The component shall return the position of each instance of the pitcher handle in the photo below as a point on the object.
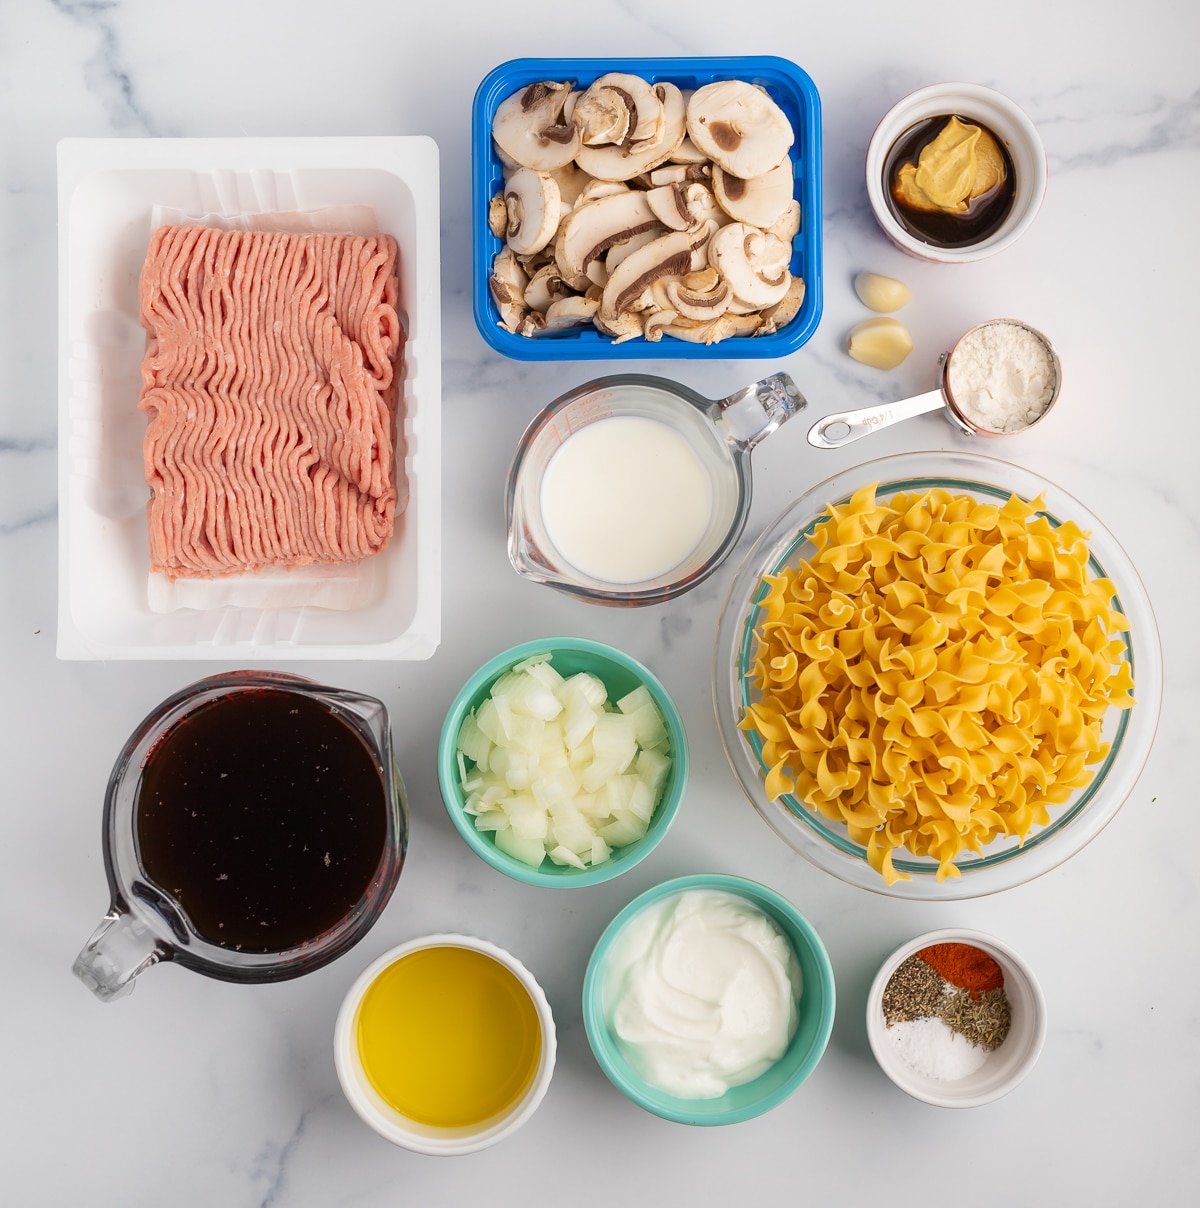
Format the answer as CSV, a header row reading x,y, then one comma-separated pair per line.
x,y
120,948
755,411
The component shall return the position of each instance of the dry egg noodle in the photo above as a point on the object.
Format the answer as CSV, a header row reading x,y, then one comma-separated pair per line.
x,y
937,674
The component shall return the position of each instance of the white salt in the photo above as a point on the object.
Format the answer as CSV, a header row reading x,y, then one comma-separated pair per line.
x,y
932,1049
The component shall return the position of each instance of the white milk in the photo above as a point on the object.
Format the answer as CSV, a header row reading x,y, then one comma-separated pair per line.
x,y
626,499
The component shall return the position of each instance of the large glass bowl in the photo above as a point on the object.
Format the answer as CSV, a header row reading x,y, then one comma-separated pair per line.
x,y
1004,862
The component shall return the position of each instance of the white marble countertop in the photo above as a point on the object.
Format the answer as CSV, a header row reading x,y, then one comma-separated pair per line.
x,y
194,1092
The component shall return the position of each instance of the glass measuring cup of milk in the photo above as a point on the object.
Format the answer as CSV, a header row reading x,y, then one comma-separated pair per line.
x,y
226,879
632,489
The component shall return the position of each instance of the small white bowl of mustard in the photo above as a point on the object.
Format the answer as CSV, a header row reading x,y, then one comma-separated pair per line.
x,y
955,173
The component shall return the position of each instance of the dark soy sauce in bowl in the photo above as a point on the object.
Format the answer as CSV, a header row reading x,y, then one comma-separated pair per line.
x,y
263,814
984,215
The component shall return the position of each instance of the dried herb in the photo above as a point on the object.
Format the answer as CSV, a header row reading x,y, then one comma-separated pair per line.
x,y
914,991
983,1020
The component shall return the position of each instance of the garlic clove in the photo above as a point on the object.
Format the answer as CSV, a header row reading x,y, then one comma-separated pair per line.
x,y
884,294
880,343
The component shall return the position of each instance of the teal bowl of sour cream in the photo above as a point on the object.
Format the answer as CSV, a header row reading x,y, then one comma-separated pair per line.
x,y
708,1000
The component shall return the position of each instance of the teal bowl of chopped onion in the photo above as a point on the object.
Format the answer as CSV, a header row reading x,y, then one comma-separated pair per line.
x,y
562,762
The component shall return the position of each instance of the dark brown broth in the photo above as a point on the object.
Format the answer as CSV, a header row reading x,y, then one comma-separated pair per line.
x,y
984,215
264,815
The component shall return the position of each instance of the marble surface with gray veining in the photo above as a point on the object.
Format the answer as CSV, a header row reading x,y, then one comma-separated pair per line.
x,y
196,1093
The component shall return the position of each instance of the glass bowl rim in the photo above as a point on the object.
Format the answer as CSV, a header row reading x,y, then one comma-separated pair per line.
x,y
1080,817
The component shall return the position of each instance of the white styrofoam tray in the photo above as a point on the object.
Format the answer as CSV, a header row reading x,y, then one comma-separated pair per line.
x,y
107,190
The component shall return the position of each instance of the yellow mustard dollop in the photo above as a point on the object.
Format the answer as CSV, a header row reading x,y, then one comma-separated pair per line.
x,y
962,163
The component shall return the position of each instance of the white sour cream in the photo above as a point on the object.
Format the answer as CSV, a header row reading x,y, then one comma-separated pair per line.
x,y
626,499
702,993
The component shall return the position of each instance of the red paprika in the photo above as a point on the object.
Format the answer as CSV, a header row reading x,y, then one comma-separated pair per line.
x,y
965,966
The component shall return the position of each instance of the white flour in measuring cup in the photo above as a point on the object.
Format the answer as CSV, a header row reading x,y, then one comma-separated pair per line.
x,y
1001,376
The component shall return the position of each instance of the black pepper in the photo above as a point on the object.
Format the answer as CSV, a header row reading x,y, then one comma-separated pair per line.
x,y
914,991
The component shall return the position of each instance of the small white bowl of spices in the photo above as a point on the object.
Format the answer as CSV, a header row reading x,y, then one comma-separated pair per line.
x,y
956,1018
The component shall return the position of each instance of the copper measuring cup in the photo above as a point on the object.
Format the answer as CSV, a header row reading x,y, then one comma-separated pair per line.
x,y
834,431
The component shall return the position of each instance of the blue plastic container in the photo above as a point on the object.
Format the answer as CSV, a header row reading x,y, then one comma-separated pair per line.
x,y
791,89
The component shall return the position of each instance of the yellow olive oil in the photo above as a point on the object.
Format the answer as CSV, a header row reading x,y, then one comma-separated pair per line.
x,y
448,1036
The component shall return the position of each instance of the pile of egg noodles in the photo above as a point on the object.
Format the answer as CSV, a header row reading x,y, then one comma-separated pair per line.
x,y
937,673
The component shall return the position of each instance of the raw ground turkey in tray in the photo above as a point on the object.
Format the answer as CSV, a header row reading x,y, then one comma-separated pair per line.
x,y
270,385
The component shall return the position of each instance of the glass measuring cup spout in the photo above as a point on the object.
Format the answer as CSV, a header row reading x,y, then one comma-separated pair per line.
x,y
668,485
254,829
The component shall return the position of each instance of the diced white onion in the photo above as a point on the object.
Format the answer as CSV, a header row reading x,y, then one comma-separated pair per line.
x,y
551,768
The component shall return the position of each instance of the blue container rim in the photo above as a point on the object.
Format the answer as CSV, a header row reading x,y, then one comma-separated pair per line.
x,y
787,82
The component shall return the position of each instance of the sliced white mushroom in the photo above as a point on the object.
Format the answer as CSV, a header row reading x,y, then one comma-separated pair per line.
x,y
575,311
595,189
681,206
784,311
738,307
656,322
531,323
605,114
626,162
627,326
688,153
668,256
739,127
699,295
754,262
694,331
536,261
735,325
787,225
646,99
526,127
532,199
507,284
668,174
498,216
571,182
545,288
590,230
619,251
507,162
597,273
759,201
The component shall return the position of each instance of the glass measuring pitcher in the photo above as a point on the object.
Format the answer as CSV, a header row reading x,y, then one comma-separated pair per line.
x,y
706,442
223,849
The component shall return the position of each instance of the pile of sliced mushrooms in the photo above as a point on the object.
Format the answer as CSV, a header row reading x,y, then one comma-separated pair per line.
x,y
644,210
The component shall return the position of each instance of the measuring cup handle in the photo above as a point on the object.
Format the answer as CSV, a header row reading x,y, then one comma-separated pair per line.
x,y
755,411
120,948
869,419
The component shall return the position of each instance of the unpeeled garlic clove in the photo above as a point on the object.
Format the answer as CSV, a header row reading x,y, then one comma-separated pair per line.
x,y
884,294
881,343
